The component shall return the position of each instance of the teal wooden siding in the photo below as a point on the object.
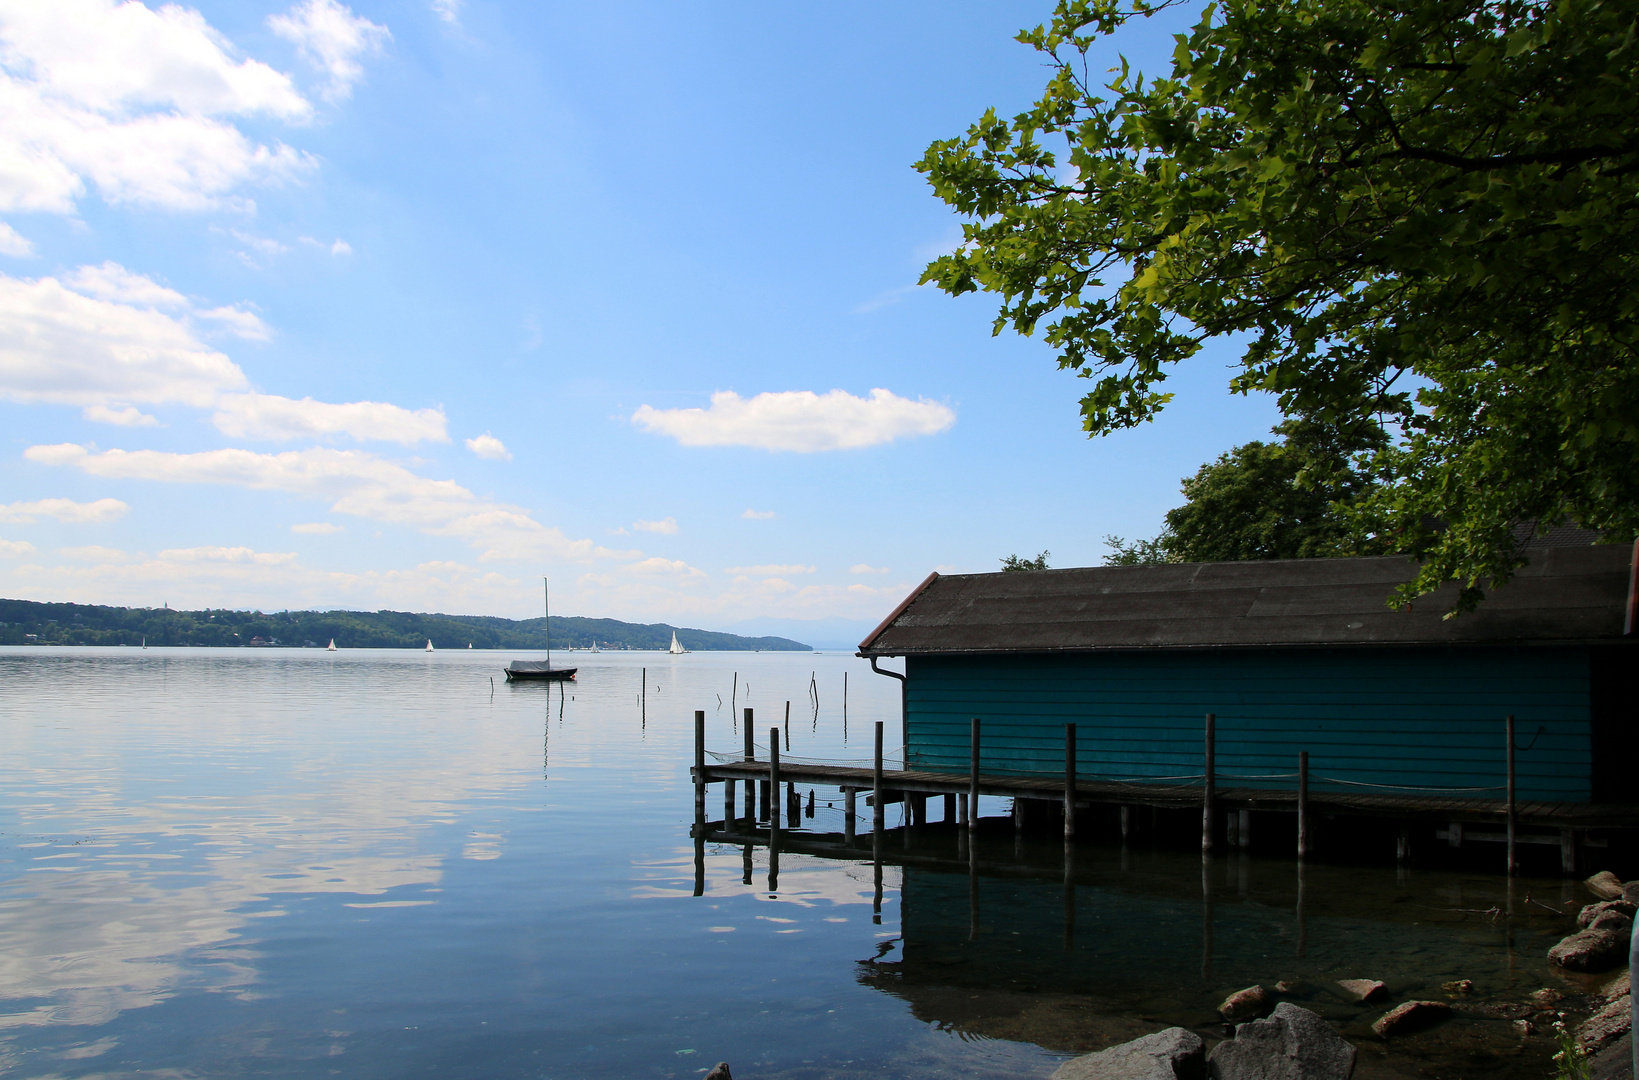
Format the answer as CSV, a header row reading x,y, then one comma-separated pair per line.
x,y
1394,717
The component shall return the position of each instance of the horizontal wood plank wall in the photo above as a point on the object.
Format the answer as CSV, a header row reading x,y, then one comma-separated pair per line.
x,y
1414,717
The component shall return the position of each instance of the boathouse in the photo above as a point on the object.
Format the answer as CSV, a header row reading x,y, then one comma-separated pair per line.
x,y
1290,656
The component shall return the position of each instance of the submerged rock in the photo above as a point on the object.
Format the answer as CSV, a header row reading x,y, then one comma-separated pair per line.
x,y
719,1071
1362,989
1605,885
1409,1016
1291,1044
1173,1054
1459,987
1546,998
1244,1004
1587,915
1591,950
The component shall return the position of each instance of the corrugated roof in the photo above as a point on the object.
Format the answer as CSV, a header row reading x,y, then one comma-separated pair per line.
x,y
1564,594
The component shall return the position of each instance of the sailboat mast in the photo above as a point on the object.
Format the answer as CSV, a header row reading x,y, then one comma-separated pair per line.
x,y
546,599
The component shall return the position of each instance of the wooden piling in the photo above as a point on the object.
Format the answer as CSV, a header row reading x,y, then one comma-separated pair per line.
x,y
1209,779
950,809
1126,823
787,727
728,803
1018,816
773,782
700,765
878,796
1513,805
973,778
1243,828
751,747
1303,805
848,815
1069,781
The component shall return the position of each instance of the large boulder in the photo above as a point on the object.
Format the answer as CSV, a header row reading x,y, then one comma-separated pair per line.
x,y
1606,1026
1605,885
1587,916
1591,950
1174,1054
1292,1043
1409,1016
1615,1062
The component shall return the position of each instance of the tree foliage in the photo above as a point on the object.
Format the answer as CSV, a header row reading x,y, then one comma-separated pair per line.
x,y
1422,213
1297,498
1015,563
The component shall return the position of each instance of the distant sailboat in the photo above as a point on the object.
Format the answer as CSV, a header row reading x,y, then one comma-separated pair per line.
x,y
595,645
469,644
429,644
676,649
332,646
145,641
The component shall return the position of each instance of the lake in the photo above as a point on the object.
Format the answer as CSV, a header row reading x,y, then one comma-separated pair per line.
x,y
291,863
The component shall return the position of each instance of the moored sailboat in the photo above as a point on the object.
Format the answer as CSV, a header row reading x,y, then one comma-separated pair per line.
x,y
676,649
541,669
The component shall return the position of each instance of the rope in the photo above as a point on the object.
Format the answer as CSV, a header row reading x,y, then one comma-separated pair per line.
x,y
1405,787
894,758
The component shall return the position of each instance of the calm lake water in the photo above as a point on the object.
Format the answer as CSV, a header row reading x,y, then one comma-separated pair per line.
x,y
384,864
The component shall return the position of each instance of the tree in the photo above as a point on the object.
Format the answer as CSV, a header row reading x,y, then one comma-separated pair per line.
x,y
1421,214
1298,498
1014,563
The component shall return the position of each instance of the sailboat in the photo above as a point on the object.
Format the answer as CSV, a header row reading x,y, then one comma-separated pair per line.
x,y
541,669
331,647
145,641
676,649
429,644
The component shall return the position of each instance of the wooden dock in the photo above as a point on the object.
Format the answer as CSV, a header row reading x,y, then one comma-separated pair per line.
x,y
1463,817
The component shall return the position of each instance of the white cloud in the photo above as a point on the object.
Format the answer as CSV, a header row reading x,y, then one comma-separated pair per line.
x,y
488,446
775,570
662,567
317,528
227,555
341,247
331,38
114,283
354,482
447,10
130,416
866,568
132,100
269,416
66,511
758,515
59,346
666,526
15,549
14,243
798,420
94,553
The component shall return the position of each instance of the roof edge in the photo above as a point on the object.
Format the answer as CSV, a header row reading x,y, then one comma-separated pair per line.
x,y
898,611
1510,643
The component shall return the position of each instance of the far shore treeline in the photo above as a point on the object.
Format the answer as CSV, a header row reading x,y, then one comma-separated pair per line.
x,y
26,622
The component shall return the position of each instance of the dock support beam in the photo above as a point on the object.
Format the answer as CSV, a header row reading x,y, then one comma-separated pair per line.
x,y
1209,779
1126,823
878,796
1303,805
1069,782
1513,806
950,809
700,765
751,785
848,813
973,779
774,793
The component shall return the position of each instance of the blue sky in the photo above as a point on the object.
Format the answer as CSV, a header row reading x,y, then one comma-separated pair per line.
x,y
407,304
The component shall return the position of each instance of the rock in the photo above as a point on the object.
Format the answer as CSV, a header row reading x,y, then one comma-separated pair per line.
x,y
1615,1062
1523,1028
1286,987
1591,950
1587,915
1621,986
1546,998
1245,1004
1612,920
1605,885
1630,892
719,1071
1291,1044
1458,987
1173,1054
1362,989
1496,1010
1606,1026
1409,1016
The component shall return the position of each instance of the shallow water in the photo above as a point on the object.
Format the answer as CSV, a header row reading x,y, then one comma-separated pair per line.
x,y
293,863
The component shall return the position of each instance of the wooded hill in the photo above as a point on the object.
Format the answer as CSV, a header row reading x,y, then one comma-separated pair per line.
x,y
26,622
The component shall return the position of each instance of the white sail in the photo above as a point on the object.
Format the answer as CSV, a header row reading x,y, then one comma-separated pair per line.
x,y
332,646
676,648
429,644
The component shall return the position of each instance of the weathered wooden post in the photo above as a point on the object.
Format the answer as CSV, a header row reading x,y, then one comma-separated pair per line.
x,y
1126,823
728,804
751,747
1303,805
787,727
973,778
1069,781
950,809
1513,808
878,796
848,811
700,766
751,785
1209,778
773,783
